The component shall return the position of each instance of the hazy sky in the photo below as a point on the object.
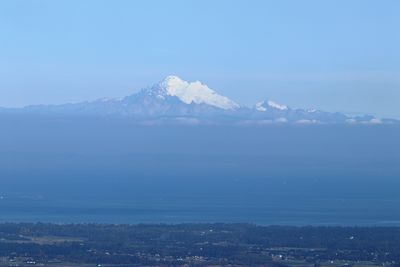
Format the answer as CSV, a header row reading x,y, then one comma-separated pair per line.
x,y
341,55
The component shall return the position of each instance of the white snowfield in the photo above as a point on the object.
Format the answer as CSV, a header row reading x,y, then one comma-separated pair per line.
x,y
195,92
262,106
276,105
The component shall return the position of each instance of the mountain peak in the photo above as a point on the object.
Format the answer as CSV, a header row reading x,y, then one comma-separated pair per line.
x,y
268,104
175,99
194,92
172,81
172,78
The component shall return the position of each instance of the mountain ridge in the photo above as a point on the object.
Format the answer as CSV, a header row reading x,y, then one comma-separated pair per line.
x,y
176,100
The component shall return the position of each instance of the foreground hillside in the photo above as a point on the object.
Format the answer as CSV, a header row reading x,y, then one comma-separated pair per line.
x,y
196,245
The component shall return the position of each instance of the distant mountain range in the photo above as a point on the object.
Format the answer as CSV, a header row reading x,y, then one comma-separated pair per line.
x,y
178,101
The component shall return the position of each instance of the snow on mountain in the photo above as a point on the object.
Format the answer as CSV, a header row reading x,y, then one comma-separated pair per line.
x,y
194,92
268,104
276,105
176,100
260,107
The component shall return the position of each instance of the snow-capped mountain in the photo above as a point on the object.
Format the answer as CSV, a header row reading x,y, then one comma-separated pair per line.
x,y
194,92
171,97
268,104
276,112
178,100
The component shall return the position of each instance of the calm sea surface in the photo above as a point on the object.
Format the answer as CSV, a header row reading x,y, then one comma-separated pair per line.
x,y
115,172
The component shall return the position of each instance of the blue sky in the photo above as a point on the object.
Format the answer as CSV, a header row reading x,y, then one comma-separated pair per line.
x,y
339,55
